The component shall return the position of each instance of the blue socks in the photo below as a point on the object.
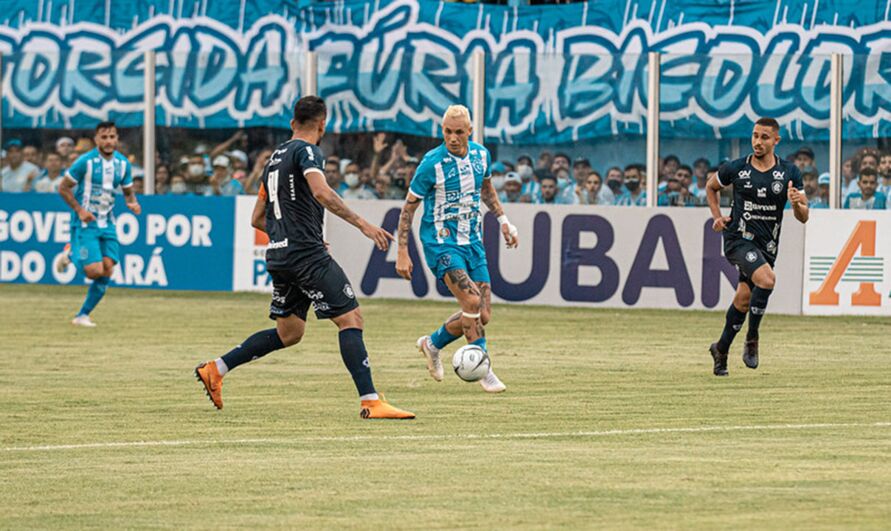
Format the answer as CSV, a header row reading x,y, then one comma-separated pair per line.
x,y
254,347
732,324
757,307
442,337
94,294
481,343
355,357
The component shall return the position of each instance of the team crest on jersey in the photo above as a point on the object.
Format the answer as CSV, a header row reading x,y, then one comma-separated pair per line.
x,y
445,260
751,257
779,175
777,187
477,163
348,291
762,192
444,232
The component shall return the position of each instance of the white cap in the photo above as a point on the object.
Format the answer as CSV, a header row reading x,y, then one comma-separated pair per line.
x,y
221,160
239,154
64,140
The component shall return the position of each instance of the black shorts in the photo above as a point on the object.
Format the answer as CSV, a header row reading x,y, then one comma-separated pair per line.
x,y
323,284
747,256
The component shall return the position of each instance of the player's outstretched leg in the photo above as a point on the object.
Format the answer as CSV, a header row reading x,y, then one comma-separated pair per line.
x,y
430,346
471,298
355,357
733,322
288,331
764,280
100,274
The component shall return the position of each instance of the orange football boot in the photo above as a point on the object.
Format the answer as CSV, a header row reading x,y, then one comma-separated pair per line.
x,y
208,374
381,409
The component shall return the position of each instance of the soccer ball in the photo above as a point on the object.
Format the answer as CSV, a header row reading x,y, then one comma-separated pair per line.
x,y
471,363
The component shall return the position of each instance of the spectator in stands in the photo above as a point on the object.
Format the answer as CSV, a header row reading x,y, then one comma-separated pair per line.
x,y
589,193
382,186
49,179
531,189
868,160
822,191
513,188
810,182
635,193
549,190
333,176
867,198
239,159
139,185
613,187
72,157
234,142
565,185
885,174
83,145
355,189
669,167
700,179
221,180
399,183
498,171
561,160
581,168
804,157
252,183
676,192
178,185
18,174
545,158
30,154
64,147
196,175
162,179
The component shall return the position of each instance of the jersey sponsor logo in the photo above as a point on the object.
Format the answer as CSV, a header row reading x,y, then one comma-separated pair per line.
x,y
777,187
762,192
779,175
751,256
745,174
277,245
310,153
772,247
313,294
748,205
867,269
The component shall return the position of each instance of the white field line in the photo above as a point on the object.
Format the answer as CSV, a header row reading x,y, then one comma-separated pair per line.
x,y
445,437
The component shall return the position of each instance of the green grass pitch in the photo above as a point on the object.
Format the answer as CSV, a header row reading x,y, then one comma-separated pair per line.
x,y
612,419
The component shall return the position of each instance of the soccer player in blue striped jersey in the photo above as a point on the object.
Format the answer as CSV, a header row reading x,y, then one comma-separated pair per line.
x,y
451,181
89,189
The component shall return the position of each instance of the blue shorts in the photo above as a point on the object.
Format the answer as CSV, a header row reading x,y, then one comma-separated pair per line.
x,y
471,258
89,245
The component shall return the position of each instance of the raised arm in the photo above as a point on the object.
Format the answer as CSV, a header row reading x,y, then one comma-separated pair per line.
x,y
329,199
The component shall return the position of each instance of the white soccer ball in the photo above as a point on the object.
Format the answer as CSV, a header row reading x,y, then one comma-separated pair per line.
x,y
471,363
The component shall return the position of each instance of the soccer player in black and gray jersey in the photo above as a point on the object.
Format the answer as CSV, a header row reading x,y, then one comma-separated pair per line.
x,y
762,184
291,208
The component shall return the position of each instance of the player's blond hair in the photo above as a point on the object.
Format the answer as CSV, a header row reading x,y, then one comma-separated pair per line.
x,y
457,111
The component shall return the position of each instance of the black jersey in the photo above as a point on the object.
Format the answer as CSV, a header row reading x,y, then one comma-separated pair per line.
x,y
293,216
759,199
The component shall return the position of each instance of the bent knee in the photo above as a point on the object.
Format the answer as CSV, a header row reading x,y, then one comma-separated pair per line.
x,y
290,337
485,316
471,304
768,281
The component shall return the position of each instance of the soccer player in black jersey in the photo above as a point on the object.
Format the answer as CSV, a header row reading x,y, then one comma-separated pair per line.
x,y
291,209
762,184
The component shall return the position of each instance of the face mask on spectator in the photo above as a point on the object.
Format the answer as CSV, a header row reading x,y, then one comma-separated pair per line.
x,y
632,185
525,171
351,179
614,185
399,182
498,182
178,188
196,170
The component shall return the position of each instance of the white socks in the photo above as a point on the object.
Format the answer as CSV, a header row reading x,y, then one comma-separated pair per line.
x,y
372,396
221,367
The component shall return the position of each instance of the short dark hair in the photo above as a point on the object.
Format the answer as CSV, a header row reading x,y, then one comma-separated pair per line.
x,y
768,122
671,157
632,167
563,156
309,109
686,167
869,154
105,125
869,171
701,160
541,174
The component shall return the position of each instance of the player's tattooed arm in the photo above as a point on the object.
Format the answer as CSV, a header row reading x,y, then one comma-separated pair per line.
x,y
406,217
130,200
66,190
489,196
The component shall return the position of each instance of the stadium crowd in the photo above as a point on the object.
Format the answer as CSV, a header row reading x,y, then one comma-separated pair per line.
x,y
377,166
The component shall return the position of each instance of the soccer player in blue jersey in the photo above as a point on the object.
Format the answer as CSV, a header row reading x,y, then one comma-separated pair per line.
x,y
451,181
762,184
89,189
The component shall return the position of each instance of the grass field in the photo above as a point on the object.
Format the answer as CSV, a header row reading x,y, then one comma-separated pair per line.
x,y
611,419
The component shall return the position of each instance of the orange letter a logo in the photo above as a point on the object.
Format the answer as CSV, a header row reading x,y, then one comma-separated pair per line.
x,y
863,238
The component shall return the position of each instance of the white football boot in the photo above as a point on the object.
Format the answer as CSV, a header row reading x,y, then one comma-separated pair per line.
x,y
83,320
491,383
431,354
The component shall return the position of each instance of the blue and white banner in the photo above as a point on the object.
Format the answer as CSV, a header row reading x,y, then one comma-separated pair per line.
x,y
554,74
175,243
